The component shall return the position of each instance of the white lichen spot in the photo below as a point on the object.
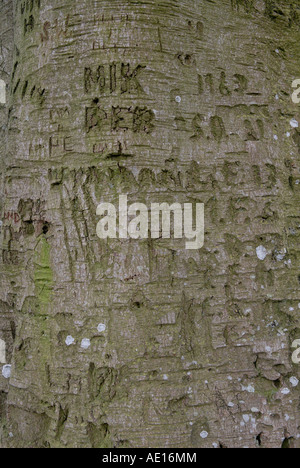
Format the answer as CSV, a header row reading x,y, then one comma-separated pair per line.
x,y
261,252
294,381
288,134
165,377
178,99
275,137
231,405
215,445
285,391
204,435
79,323
101,328
69,340
249,389
86,343
6,371
286,417
254,410
294,123
246,418
280,255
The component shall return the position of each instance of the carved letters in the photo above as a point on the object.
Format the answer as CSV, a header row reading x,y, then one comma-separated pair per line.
x,y
107,79
27,8
138,119
12,216
59,145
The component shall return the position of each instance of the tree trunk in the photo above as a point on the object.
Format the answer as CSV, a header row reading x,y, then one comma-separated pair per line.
x,y
143,343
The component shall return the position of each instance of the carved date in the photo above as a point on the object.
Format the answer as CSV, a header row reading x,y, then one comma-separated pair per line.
x,y
236,84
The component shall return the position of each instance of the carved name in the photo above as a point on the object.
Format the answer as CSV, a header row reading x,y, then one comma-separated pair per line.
x,y
108,79
138,119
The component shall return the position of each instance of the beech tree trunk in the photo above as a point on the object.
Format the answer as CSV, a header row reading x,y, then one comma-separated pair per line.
x,y
142,343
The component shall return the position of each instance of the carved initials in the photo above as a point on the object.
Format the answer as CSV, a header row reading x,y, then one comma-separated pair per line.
x,y
105,79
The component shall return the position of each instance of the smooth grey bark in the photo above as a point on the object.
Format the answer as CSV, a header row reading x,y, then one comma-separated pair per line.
x,y
165,101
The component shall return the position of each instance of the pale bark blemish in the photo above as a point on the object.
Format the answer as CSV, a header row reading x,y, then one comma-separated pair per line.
x,y
261,252
85,343
249,389
69,340
294,123
294,381
101,327
6,371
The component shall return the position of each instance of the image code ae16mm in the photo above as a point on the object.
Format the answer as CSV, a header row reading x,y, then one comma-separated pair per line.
x,y
171,458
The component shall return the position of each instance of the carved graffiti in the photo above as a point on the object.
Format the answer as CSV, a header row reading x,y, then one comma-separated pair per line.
x,y
55,29
226,87
27,6
107,79
26,89
216,126
138,119
12,216
59,145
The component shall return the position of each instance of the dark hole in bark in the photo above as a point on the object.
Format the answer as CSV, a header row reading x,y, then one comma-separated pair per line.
x,y
277,383
45,228
258,438
287,443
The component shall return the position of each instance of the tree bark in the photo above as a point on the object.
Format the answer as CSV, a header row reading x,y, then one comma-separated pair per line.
x,y
142,343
